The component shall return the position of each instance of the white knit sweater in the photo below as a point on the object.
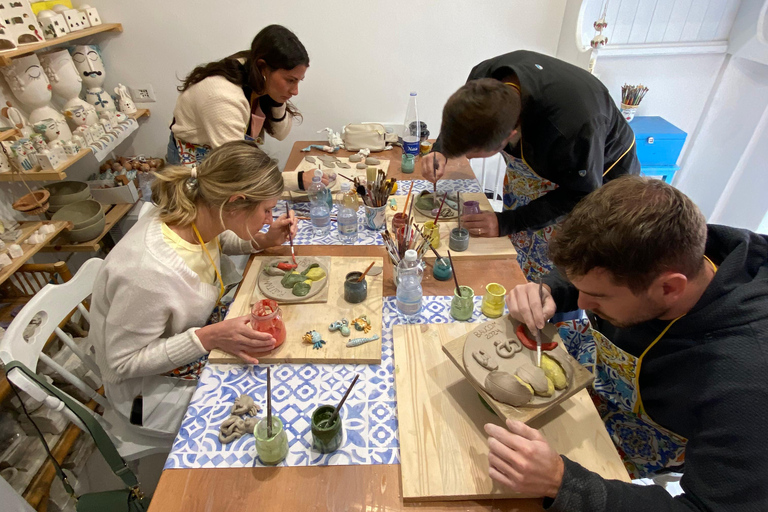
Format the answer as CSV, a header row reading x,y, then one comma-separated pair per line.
x,y
145,308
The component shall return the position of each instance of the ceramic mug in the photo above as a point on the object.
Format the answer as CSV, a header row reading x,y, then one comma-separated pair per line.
x,y
375,217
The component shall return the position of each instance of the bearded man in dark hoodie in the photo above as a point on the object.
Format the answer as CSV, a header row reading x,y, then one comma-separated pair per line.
x,y
680,355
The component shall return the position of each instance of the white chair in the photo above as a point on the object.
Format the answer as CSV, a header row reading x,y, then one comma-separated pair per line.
x,y
53,304
490,173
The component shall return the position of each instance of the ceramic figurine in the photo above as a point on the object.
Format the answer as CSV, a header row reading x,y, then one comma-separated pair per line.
x,y
30,85
5,165
75,19
340,325
356,342
65,79
362,324
83,116
17,120
21,26
124,101
314,338
90,66
91,14
48,160
53,24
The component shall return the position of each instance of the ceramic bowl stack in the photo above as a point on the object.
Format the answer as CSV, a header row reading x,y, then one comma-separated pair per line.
x,y
66,192
86,216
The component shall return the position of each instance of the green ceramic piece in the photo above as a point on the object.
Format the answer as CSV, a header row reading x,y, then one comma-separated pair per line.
x,y
301,289
291,278
314,265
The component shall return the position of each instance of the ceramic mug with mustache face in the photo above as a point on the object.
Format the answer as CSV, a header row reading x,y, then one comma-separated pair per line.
x,y
89,64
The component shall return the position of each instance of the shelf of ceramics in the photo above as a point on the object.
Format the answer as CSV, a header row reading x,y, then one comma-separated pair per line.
x,y
27,228
106,151
114,214
35,174
7,55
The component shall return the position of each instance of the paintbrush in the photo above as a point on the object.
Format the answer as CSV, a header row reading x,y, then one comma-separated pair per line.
x,y
537,333
366,271
455,279
408,197
432,247
335,414
436,164
346,177
441,207
458,205
269,404
290,236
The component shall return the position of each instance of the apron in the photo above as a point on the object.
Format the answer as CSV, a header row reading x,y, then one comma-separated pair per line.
x,y
521,186
191,371
645,446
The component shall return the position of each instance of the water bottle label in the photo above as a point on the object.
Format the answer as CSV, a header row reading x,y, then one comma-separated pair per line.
x,y
411,148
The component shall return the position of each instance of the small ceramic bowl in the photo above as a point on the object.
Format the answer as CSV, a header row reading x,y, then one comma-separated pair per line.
x,y
67,192
81,213
87,233
32,201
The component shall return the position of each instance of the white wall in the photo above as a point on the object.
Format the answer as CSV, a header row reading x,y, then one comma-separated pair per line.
x,y
365,56
679,85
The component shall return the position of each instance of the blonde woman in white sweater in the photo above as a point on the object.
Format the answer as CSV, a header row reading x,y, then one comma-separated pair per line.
x,y
156,308
245,95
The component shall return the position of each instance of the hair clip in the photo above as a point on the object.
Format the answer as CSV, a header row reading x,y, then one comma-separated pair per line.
x,y
192,180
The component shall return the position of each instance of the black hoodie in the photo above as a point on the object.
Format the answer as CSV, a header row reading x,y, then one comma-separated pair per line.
x,y
705,380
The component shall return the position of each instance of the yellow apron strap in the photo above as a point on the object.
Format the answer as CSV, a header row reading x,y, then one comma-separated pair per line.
x,y
639,403
205,249
619,159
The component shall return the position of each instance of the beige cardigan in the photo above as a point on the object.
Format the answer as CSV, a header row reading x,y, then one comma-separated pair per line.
x,y
214,111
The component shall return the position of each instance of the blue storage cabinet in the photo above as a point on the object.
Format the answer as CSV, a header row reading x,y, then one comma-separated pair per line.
x,y
659,144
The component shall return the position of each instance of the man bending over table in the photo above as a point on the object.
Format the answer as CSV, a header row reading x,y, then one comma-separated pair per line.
x,y
681,354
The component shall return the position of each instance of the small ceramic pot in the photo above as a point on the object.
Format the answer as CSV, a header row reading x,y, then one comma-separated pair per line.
x,y
432,232
266,316
628,111
407,163
462,304
442,270
326,438
355,292
398,221
459,240
375,217
271,450
470,208
493,300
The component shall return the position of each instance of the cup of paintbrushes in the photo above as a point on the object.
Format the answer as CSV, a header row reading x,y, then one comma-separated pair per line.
x,y
375,217
432,233
628,111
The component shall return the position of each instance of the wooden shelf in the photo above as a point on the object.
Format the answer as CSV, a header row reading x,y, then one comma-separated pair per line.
x,y
7,55
27,228
139,113
7,134
54,175
114,215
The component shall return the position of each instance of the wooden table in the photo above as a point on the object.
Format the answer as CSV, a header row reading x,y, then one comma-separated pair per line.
x,y
332,488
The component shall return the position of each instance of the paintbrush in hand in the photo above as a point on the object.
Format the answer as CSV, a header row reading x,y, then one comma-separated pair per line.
x,y
290,236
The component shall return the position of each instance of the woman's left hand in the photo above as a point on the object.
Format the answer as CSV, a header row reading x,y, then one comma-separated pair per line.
x,y
484,224
278,231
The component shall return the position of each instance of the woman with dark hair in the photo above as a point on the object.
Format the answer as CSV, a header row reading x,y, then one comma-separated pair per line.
x,y
242,96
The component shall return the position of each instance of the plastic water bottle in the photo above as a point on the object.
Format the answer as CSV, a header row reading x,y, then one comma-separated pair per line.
x,y
347,215
320,203
411,128
409,292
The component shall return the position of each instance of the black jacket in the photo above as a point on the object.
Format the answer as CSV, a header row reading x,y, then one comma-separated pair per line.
x,y
572,133
705,380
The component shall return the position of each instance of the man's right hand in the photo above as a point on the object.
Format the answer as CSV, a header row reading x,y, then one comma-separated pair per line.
x,y
525,306
236,336
428,166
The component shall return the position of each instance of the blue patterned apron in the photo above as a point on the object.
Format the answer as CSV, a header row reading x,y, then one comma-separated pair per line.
x,y
521,186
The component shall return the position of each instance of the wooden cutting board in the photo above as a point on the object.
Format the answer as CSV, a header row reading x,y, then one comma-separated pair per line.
x,y
479,248
300,318
443,447
581,377
352,172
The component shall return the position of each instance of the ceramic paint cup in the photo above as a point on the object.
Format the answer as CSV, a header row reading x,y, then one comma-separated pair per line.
x,y
326,438
355,292
398,221
266,316
442,270
471,208
407,163
463,305
271,450
375,217
432,232
493,300
459,240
